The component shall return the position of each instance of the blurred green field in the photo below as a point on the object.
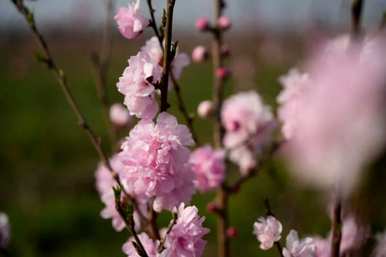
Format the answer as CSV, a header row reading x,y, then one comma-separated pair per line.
x,y
47,165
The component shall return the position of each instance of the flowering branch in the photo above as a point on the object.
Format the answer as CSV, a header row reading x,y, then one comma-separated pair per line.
x,y
101,64
167,54
62,81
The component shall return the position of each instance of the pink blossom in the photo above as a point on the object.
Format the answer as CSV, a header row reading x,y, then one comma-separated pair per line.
x,y
268,231
151,247
130,21
104,185
222,73
156,160
186,236
202,24
232,232
119,115
354,235
322,247
328,119
248,124
224,23
136,84
5,230
299,248
208,165
199,54
205,109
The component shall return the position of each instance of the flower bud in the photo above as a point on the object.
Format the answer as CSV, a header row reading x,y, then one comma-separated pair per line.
x,y
212,207
202,24
224,23
222,73
119,115
205,109
199,54
232,232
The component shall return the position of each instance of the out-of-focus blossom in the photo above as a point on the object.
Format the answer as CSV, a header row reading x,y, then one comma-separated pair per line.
x,y
322,247
299,248
199,54
380,248
248,123
5,230
222,72
202,24
180,61
294,83
130,21
119,115
268,231
156,162
104,185
224,23
205,109
151,247
334,116
186,236
208,165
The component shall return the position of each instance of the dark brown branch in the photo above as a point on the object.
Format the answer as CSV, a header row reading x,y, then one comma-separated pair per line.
x,y
356,16
167,54
336,228
153,22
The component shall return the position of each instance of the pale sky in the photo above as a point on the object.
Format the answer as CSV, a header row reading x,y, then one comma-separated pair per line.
x,y
273,14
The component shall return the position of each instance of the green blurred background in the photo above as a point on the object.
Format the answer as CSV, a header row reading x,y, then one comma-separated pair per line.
x,y
47,164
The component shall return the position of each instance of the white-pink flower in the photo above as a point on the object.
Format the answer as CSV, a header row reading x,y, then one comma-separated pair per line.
x,y
205,109
130,21
268,231
156,162
5,230
186,237
208,165
119,115
199,54
248,123
336,123
104,185
299,248
151,246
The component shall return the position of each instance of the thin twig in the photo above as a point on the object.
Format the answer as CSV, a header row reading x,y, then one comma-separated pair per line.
x,y
170,227
183,109
356,16
101,64
153,22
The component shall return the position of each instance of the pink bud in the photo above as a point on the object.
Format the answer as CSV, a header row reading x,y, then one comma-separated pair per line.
x,y
199,54
232,232
202,24
119,115
205,109
223,73
225,51
212,207
224,23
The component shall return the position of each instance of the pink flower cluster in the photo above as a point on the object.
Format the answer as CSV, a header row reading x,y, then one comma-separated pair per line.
x,y
248,123
326,113
209,168
138,80
130,21
184,239
156,162
299,248
268,231
186,236
104,185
